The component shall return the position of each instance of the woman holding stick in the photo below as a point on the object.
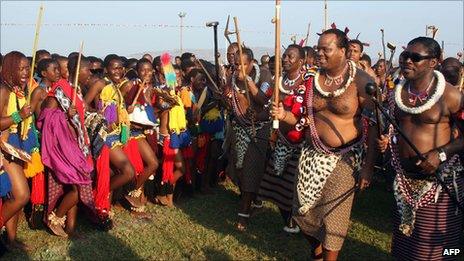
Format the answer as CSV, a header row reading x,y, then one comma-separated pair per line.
x,y
65,151
250,129
13,111
278,181
138,99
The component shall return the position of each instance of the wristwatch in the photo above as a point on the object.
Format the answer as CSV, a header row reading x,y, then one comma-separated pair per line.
x,y
442,155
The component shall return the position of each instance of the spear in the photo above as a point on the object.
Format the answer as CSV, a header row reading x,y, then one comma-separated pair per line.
x,y
275,122
76,75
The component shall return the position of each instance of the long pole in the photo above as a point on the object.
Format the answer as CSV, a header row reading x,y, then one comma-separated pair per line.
x,y
278,81
242,67
34,50
325,15
181,25
216,58
76,75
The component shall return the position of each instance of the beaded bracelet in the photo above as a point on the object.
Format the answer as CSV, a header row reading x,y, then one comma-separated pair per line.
x,y
16,117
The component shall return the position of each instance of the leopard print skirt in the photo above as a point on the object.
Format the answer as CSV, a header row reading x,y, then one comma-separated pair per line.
x,y
328,218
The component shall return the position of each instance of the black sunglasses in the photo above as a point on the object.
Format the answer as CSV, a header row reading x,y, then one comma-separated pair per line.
x,y
415,57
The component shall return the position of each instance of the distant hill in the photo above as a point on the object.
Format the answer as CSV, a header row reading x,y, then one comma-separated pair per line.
x,y
206,54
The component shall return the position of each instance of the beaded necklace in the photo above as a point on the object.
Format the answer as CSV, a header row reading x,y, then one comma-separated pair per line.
x,y
339,91
316,141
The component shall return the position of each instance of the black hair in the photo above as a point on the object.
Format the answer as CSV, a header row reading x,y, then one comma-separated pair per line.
x,y
72,64
93,59
248,52
177,57
141,62
1,59
186,63
124,59
432,46
356,41
176,67
129,62
300,49
40,52
61,58
309,51
366,58
342,39
73,54
186,56
43,65
157,62
55,56
109,58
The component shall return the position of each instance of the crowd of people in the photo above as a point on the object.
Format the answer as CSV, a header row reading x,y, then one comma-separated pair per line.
x,y
86,134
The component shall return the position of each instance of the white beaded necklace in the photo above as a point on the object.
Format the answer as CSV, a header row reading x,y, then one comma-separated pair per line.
x,y
440,88
352,73
289,83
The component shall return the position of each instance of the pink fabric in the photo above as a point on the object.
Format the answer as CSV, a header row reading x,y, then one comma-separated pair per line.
x,y
60,150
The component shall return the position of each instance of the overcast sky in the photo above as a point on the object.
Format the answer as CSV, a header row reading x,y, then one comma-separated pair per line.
x,y
127,34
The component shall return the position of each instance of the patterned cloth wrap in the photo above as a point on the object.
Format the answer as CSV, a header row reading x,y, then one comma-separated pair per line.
x,y
314,168
411,194
244,134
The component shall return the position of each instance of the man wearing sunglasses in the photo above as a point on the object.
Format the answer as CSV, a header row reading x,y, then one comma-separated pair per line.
x,y
426,107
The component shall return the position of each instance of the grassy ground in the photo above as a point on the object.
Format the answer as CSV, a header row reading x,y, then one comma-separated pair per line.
x,y
203,228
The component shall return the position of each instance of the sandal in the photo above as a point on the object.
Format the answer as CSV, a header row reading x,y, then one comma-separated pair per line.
x,y
56,224
242,221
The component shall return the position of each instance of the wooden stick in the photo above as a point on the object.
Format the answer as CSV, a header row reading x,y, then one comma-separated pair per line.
x,y
277,77
208,75
242,65
306,41
325,15
138,93
76,76
34,50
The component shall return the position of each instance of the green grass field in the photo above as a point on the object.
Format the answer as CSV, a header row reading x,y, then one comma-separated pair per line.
x,y
203,228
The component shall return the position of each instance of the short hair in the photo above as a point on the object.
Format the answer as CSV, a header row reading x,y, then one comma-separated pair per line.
x,y
177,57
41,52
432,46
366,58
186,56
43,65
60,58
130,61
450,68
141,62
186,63
72,64
265,59
176,67
309,51
342,39
357,42
10,64
248,52
73,54
1,59
300,50
55,56
93,59
157,61
109,58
